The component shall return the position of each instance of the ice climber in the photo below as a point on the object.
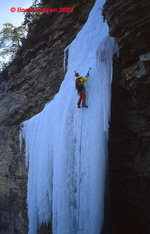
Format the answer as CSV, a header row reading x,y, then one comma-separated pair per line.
x,y
81,88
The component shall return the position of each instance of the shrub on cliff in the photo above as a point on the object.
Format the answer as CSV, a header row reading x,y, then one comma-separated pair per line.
x,y
10,41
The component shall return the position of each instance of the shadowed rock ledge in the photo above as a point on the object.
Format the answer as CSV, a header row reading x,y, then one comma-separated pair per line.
x,y
129,144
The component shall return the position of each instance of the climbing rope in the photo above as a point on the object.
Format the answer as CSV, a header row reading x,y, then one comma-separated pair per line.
x,y
80,178
80,175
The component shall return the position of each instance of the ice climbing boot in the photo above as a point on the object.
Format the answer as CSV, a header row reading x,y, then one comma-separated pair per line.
x,y
78,105
83,105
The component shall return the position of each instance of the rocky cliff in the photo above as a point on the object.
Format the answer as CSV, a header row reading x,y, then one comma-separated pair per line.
x,y
33,78
129,144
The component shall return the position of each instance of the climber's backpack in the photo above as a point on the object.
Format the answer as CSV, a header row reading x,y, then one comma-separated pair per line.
x,y
78,85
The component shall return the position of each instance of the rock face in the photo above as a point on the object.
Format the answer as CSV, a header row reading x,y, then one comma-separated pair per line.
x,y
129,145
33,78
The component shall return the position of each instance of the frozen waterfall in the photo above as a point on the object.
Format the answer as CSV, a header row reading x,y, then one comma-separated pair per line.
x,y
66,147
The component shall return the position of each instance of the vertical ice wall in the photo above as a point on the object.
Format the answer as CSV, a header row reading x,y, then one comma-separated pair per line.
x,y
66,147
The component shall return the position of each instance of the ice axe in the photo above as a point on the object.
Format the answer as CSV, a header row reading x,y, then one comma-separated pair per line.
x,y
88,71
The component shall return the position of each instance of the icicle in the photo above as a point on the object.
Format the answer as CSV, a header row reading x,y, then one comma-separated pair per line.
x,y
66,54
20,138
104,65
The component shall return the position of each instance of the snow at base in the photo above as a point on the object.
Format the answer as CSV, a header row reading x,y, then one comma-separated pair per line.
x,y
66,147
